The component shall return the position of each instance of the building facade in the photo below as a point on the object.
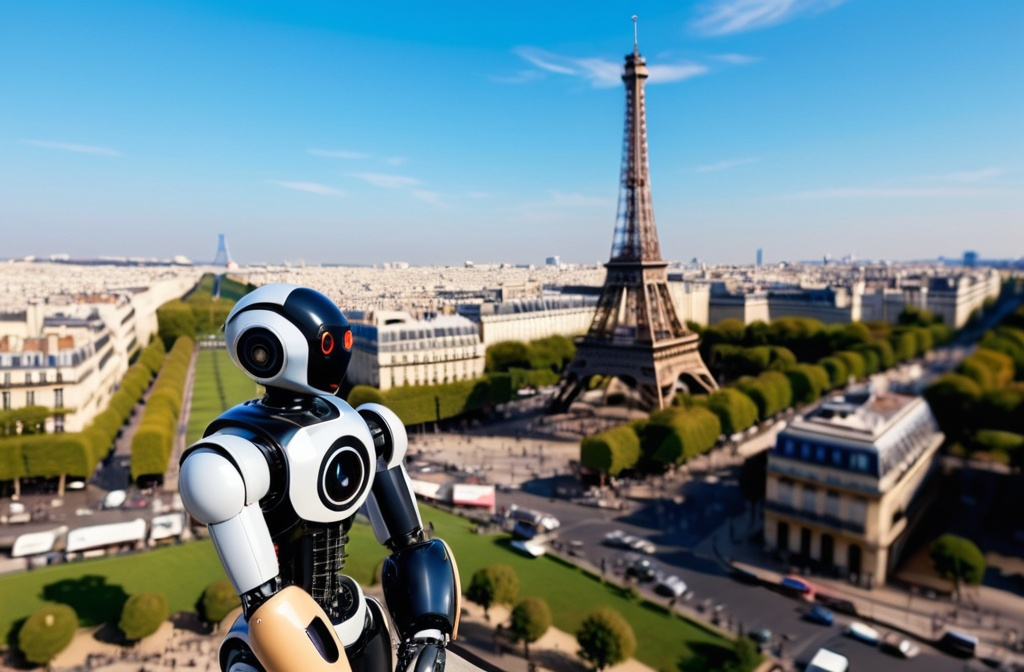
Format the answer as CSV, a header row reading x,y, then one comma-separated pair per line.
x,y
529,319
847,482
70,355
392,349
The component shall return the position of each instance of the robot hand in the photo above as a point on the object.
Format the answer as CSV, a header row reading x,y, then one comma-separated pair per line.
x,y
422,653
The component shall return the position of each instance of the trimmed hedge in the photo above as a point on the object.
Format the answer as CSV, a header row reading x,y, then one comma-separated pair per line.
x,y
611,451
153,442
675,435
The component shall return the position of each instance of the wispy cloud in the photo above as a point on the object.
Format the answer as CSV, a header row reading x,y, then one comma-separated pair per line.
x,y
72,147
309,187
724,17
889,192
736,59
521,77
339,154
387,181
396,161
726,165
602,73
973,176
431,197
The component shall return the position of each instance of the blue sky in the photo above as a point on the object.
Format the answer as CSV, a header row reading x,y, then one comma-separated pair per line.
x,y
435,133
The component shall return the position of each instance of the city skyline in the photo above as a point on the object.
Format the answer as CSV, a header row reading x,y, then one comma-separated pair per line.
x,y
438,134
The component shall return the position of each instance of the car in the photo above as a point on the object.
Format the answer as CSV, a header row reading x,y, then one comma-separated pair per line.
x,y
643,546
901,647
862,632
642,570
958,643
820,615
616,538
670,586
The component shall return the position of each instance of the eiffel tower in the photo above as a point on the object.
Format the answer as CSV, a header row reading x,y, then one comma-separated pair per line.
x,y
636,334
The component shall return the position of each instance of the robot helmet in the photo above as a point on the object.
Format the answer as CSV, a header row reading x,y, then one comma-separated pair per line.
x,y
290,337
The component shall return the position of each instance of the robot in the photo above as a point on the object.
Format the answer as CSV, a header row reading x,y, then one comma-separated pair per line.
x,y
278,482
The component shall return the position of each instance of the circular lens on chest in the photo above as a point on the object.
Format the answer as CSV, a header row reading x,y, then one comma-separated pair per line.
x,y
344,475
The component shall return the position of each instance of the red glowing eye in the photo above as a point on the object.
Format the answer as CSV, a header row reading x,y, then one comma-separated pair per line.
x,y
326,343
348,340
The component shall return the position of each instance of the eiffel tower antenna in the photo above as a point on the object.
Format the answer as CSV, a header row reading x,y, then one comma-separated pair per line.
x,y
636,334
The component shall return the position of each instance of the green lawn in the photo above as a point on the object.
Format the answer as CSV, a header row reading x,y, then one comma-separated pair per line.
x,y
219,385
98,588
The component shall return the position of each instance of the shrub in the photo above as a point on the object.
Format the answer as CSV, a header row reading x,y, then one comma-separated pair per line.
x,y
47,632
218,600
142,615
364,394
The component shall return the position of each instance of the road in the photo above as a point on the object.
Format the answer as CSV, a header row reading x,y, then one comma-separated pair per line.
x,y
684,549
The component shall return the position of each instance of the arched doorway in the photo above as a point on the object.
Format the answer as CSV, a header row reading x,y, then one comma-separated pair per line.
x,y
853,560
782,536
828,552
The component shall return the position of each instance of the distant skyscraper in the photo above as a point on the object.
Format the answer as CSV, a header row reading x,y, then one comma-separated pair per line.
x,y
636,334
970,259
759,256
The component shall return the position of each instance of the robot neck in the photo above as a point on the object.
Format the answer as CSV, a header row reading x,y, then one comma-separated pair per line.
x,y
287,400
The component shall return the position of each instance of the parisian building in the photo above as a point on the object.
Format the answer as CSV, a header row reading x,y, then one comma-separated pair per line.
x,y
392,349
848,481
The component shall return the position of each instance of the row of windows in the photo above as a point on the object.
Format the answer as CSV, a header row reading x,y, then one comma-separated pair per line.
x,y
838,457
30,398
856,507
30,379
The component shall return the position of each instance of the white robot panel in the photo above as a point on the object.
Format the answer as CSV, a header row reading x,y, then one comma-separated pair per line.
x,y
343,472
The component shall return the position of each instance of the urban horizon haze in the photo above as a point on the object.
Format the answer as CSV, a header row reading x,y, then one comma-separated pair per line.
x,y
434,134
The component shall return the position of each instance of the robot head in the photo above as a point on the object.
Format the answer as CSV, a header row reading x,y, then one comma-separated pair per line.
x,y
290,337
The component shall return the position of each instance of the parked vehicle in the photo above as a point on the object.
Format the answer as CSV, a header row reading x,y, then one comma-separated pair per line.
x,y
820,615
862,632
797,587
642,570
670,586
959,644
898,646
828,661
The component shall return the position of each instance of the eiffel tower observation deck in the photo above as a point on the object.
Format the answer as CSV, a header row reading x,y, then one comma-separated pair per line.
x,y
636,335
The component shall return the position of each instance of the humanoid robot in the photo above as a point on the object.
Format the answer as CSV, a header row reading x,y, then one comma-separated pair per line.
x,y
278,482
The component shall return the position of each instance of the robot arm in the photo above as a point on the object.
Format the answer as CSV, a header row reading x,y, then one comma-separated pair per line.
x,y
420,578
221,482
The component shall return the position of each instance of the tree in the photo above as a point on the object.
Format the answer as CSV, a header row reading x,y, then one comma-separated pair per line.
x,y
47,632
957,558
507,355
605,638
493,584
735,410
611,451
218,600
745,656
142,615
531,618
175,318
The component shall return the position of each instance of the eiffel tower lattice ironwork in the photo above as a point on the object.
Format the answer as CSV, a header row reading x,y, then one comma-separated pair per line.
x,y
223,257
636,334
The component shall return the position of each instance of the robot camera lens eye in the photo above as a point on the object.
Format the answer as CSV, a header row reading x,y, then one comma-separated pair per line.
x,y
260,353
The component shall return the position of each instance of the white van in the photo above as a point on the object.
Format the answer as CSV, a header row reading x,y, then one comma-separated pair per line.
x,y
828,661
